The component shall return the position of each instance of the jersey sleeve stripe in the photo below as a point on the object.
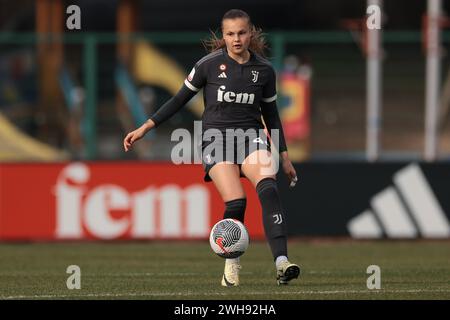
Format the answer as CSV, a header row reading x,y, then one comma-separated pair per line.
x,y
190,86
209,56
269,99
262,60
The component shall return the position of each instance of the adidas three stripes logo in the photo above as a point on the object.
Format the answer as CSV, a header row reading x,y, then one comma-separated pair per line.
x,y
406,210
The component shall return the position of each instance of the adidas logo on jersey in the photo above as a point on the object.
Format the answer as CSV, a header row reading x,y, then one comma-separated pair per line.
x,y
230,96
222,75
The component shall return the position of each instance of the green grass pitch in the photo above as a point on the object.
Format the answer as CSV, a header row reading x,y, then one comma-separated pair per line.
x,y
189,270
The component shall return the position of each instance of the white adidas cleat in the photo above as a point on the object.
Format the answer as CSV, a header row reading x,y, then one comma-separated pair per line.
x,y
287,271
230,276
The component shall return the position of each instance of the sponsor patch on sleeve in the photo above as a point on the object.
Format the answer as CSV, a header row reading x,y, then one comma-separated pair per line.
x,y
191,75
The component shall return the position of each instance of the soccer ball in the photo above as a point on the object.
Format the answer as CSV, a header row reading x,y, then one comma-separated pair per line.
x,y
229,238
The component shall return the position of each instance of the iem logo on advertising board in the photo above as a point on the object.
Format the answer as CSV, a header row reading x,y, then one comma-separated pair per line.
x,y
182,212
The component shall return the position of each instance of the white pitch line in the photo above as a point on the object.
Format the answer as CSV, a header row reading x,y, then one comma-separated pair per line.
x,y
319,272
137,274
128,274
255,293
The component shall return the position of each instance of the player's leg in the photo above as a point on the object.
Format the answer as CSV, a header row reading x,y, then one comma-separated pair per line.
x,y
225,176
226,179
259,168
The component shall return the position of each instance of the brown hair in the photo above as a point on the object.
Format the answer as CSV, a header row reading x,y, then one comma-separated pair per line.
x,y
257,42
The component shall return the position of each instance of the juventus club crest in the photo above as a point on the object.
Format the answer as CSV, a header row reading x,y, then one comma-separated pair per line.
x,y
255,76
278,218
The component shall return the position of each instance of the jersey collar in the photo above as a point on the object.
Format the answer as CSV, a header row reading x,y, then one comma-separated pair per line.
x,y
250,61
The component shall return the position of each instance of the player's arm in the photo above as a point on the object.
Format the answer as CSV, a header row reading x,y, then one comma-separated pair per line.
x,y
270,113
172,106
165,112
272,120
191,86
271,117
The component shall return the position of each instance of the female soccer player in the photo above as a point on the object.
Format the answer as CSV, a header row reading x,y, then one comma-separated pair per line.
x,y
239,87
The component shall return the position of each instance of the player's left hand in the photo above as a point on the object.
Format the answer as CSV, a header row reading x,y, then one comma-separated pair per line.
x,y
289,170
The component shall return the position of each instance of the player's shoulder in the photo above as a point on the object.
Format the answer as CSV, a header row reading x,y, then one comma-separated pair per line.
x,y
263,61
217,54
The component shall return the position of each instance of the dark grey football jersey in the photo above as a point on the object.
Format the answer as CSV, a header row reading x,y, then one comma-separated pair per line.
x,y
233,92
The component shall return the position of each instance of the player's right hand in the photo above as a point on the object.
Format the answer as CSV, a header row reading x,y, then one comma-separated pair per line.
x,y
137,134
133,136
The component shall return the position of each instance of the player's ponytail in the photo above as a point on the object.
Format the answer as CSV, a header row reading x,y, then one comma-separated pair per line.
x,y
257,43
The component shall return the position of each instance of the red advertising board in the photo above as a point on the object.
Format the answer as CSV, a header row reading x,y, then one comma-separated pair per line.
x,y
112,200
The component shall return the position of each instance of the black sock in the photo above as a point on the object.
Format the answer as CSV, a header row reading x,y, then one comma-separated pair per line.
x,y
235,209
273,217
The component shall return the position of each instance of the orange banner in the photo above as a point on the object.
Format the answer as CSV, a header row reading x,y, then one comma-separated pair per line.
x,y
295,114
112,200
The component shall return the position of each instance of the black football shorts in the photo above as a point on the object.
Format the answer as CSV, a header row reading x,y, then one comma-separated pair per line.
x,y
232,146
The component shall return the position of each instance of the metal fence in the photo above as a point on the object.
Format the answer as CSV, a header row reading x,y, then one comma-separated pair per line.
x,y
337,90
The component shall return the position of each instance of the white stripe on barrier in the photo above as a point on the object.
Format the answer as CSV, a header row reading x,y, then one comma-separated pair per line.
x,y
393,215
422,202
364,226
